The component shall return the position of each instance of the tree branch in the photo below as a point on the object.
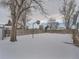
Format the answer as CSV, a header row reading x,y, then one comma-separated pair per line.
x,y
22,11
41,7
17,3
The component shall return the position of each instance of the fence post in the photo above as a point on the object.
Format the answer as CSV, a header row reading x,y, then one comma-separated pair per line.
x,y
1,31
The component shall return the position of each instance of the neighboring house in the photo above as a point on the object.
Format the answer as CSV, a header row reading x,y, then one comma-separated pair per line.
x,y
61,26
32,24
52,24
56,24
6,26
9,23
43,25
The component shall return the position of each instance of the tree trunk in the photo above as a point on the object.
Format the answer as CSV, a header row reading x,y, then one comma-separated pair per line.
x,y
67,23
13,33
74,36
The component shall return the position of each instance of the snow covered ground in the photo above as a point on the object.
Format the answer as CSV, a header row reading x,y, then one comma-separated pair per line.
x,y
43,46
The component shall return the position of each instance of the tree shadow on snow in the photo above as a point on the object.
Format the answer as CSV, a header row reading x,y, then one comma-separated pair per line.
x,y
68,43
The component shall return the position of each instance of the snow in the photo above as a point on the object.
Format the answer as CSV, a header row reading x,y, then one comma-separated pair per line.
x,y
42,46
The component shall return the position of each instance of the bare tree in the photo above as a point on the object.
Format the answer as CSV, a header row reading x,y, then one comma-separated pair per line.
x,y
67,10
17,8
74,34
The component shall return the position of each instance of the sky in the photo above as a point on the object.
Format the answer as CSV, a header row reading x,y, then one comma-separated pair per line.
x,y
4,15
51,6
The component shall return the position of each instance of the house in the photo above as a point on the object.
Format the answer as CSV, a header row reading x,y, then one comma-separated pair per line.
x,y
52,24
56,24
